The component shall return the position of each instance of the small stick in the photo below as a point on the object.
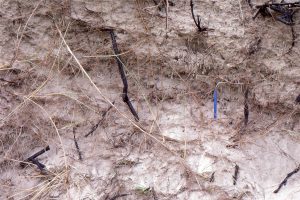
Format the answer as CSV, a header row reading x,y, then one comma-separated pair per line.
x,y
212,177
286,178
293,36
167,14
293,39
236,173
123,75
38,164
198,21
246,107
76,144
33,160
37,154
100,121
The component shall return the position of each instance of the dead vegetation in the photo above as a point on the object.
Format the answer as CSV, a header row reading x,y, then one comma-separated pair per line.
x,y
60,86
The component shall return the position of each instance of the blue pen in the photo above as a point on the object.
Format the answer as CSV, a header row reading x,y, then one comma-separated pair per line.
x,y
215,103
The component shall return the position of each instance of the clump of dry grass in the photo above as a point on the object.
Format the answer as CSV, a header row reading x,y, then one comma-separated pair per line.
x,y
54,180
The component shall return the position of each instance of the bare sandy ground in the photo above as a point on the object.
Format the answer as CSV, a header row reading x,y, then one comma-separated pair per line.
x,y
177,150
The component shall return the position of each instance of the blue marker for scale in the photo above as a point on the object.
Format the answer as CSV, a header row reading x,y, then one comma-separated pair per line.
x,y
215,103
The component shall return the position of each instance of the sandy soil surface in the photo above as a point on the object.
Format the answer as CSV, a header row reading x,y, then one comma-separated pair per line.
x,y
57,87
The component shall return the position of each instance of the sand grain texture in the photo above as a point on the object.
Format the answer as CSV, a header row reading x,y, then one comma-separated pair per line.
x,y
176,147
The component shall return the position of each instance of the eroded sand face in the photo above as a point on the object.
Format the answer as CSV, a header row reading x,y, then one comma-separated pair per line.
x,y
183,153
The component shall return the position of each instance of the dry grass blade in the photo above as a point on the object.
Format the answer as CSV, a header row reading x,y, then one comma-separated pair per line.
x,y
53,180
22,33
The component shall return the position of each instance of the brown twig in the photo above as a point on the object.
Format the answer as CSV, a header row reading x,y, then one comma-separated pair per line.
x,y
212,177
33,160
246,107
123,75
236,173
198,21
293,36
167,14
293,39
38,164
100,121
76,145
286,178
